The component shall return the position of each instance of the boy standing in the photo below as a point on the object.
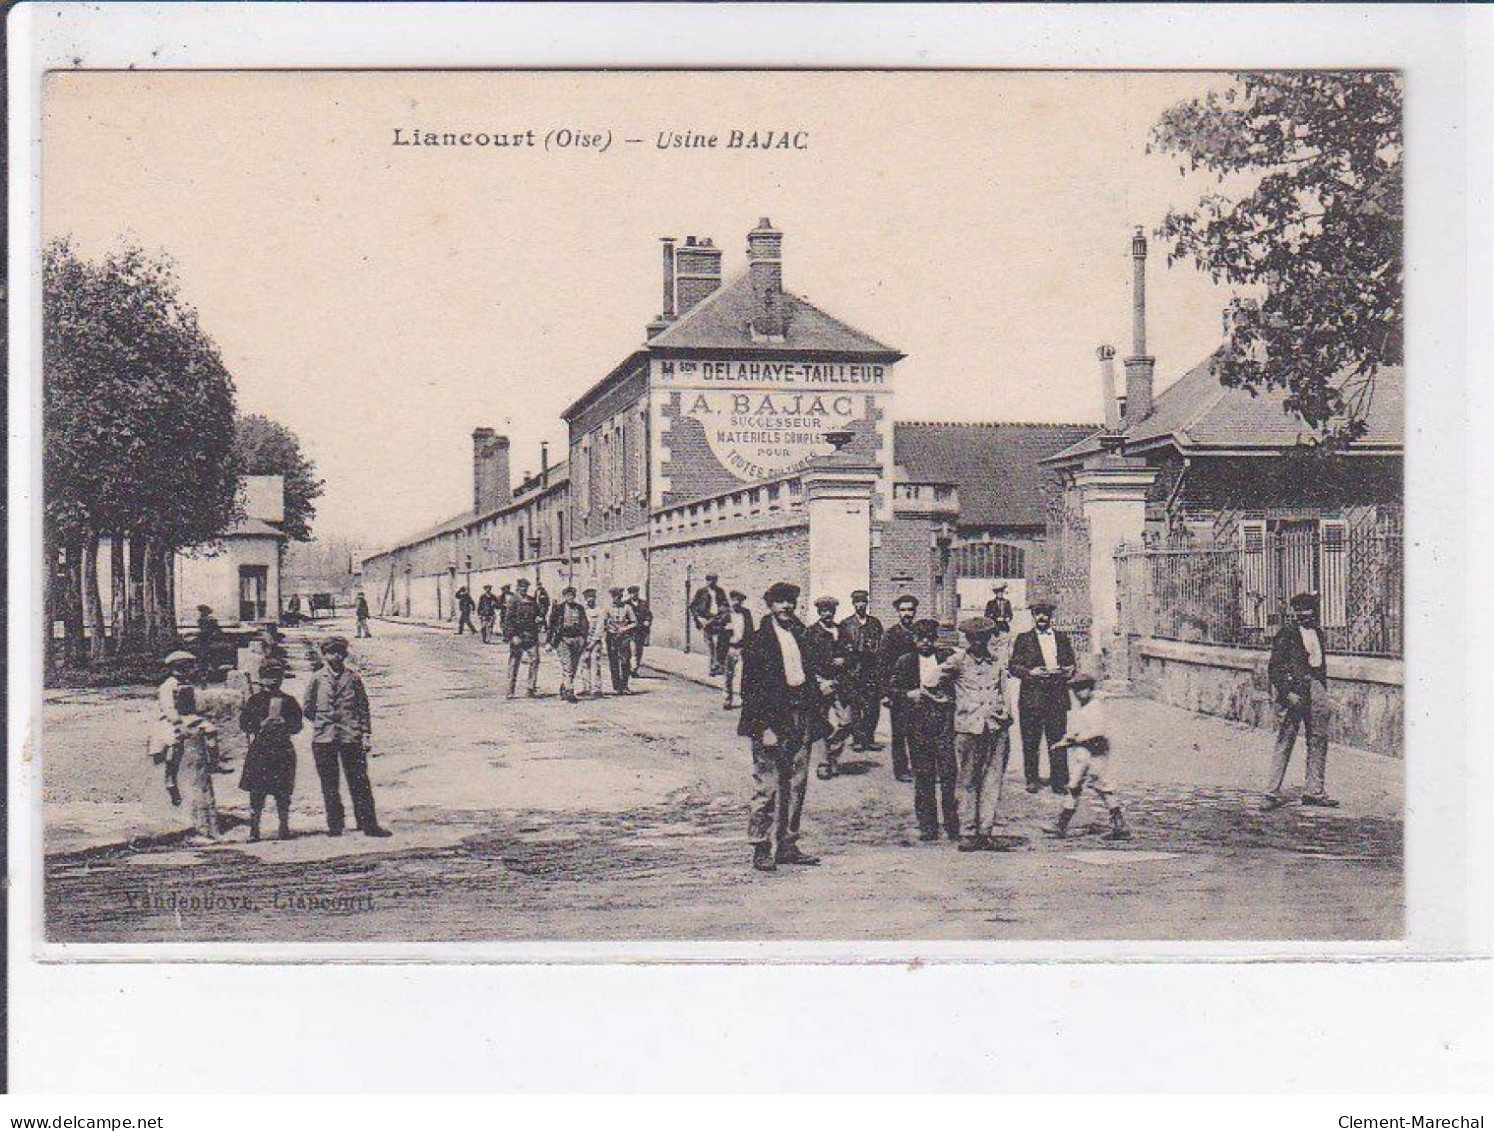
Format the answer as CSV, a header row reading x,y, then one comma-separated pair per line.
x,y
594,657
1087,740
269,718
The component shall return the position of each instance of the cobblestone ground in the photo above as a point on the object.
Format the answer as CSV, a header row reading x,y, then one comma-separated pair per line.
x,y
624,819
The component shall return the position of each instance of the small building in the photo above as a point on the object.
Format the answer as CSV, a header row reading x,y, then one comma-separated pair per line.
x,y
238,574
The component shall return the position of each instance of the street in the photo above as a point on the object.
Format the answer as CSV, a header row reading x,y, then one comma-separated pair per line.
x,y
625,819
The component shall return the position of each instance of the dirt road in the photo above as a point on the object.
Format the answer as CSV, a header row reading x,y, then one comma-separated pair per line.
x,y
624,819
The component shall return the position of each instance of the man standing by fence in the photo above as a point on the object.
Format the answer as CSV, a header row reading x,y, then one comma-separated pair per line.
x,y
1298,672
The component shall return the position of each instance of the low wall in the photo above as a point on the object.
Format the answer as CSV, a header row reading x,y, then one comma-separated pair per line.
x,y
748,561
1367,693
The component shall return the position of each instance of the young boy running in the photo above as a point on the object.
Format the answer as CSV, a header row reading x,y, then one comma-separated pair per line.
x,y
1088,739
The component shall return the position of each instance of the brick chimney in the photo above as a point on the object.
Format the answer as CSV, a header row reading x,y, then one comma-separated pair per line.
x,y
1140,366
697,272
490,484
669,313
765,271
1106,354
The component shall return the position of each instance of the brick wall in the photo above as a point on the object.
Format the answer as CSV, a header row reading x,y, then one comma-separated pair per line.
x,y
749,562
904,552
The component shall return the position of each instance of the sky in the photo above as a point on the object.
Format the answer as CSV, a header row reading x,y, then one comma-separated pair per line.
x,y
384,300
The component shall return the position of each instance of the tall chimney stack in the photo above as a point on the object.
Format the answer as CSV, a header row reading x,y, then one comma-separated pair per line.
x,y
1106,354
490,485
1139,366
544,464
697,272
667,315
765,270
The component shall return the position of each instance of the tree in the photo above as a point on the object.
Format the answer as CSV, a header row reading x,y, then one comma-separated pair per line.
x,y
263,447
137,433
1308,218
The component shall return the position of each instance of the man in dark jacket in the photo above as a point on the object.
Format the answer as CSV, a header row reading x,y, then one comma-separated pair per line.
x,y
929,714
999,609
861,641
708,609
566,632
778,689
487,612
897,642
521,628
827,660
1043,659
643,616
1298,672
465,605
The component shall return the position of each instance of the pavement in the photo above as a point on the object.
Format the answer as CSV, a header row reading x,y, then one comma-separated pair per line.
x,y
624,818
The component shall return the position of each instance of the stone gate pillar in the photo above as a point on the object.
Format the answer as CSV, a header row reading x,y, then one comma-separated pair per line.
x,y
839,501
1112,495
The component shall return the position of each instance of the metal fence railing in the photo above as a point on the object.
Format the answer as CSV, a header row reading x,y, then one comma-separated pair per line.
x,y
1237,594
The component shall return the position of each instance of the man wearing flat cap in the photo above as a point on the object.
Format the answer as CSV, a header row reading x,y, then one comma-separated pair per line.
x,y
709,609
897,642
778,689
999,609
1043,659
341,729
1298,672
976,677
861,641
828,663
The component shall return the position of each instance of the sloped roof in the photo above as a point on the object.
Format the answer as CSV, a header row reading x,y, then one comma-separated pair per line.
x,y
996,467
1197,414
723,321
255,528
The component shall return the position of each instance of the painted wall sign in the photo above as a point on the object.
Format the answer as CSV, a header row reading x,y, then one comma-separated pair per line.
x,y
759,435
802,374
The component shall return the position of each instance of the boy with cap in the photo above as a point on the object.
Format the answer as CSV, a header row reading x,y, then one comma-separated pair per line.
x,y
567,633
739,629
976,676
465,605
897,642
269,718
341,726
1088,741
182,736
1298,672
777,691
929,722
831,721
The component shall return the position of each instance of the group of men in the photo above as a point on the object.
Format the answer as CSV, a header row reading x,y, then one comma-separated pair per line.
x,y
808,686
585,637
814,687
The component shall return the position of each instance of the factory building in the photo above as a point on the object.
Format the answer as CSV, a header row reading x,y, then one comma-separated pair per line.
x,y
752,435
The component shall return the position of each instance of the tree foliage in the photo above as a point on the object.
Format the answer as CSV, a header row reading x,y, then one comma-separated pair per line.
x,y
1307,219
264,447
137,416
